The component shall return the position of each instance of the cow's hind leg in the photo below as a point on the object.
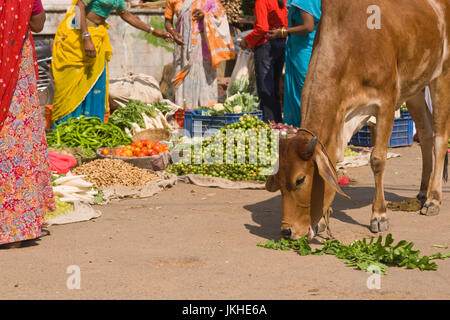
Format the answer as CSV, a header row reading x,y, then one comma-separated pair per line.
x,y
440,94
385,121
423,121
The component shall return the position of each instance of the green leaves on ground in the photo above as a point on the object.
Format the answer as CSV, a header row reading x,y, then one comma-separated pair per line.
x,y
365,255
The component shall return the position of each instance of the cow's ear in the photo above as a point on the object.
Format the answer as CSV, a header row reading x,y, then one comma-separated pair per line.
x,y
272,184
327,172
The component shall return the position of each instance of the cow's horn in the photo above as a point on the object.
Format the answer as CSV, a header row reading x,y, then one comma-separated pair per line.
x,y
312,145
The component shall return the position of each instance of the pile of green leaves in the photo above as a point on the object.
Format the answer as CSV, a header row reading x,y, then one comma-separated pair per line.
x,y
161,106
86,133
365,255
132,113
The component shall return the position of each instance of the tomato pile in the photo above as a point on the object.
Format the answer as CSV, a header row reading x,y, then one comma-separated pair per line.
x,y
142,148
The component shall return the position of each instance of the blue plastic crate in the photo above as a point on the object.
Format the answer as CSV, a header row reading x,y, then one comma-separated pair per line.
x,y
402,134
405,114
196,124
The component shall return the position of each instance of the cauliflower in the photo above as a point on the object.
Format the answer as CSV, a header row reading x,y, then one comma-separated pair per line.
x,y
218,107
237,109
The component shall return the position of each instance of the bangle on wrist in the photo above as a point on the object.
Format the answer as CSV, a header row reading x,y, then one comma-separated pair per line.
x,y
150,29
86,34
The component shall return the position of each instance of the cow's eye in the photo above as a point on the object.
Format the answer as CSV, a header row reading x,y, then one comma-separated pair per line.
x,y
300,181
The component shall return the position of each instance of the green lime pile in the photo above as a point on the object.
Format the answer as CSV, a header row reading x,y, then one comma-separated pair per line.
x,y
240,167
350,153
368,256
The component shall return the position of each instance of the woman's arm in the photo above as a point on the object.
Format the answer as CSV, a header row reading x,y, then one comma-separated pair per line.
x,y
89,47
37,19
37,22
260,28
303,29
139,24
168,24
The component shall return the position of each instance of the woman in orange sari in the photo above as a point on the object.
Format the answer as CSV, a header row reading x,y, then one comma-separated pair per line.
x,y
204,41
26,193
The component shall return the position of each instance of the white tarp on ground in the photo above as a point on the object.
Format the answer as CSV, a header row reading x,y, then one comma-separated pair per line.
x,y
166,180
360,160
220,183
82,212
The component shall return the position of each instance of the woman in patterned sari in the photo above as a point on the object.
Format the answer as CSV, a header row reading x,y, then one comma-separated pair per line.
x,y
204,39
26,193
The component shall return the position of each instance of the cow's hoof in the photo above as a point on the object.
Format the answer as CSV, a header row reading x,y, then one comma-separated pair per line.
x,y
422,198
430,209
321,227
379,224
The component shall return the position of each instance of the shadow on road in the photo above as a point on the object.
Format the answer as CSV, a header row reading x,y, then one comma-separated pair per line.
x,y
267,214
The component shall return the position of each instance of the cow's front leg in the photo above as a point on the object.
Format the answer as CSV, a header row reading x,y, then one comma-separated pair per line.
x,y
385,120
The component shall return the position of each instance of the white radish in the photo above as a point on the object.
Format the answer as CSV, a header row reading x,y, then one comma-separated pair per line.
x,y
136,127
147,121
66,189
92,192
68,178
80,183
164,122
67,199
159,125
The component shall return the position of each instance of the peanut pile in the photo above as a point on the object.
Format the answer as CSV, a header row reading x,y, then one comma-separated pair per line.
x,y
110,172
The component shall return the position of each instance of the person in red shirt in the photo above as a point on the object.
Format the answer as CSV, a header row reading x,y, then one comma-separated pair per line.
x,y
269,54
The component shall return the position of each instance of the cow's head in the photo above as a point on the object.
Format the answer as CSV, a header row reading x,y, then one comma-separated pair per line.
x,y
307,181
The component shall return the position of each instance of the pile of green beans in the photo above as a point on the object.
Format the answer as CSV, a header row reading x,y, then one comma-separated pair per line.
x,y
87,132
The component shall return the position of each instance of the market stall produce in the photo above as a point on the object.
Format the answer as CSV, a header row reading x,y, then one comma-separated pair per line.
x,y
232,9
248,170
109,172
87,132
62,207
137,116
142,148
72,188
284,128
241,102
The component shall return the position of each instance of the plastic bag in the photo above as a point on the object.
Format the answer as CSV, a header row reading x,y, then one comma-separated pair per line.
x,y
61,163
244,70
134,87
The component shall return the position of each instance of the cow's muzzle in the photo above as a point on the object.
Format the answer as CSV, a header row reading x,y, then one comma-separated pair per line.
x,y
286,233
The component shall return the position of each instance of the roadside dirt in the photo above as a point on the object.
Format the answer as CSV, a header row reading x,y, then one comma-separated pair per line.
x,y
200,243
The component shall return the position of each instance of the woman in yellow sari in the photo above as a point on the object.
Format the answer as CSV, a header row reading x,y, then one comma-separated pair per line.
x,y
81,53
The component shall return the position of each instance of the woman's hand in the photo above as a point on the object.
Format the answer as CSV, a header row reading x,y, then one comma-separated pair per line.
x,y
243,44
198,14
176,37
89,48
274,34
163,34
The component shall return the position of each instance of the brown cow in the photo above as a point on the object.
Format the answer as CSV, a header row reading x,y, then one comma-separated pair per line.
x,y
355,73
